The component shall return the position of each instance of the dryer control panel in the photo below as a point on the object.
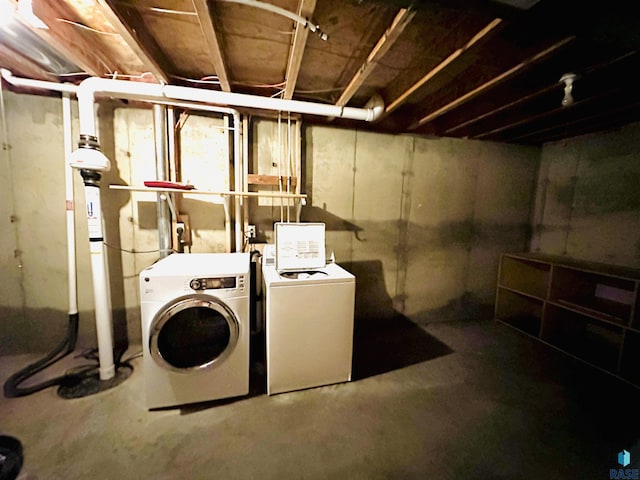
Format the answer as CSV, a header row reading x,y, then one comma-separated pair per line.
x,y
217,283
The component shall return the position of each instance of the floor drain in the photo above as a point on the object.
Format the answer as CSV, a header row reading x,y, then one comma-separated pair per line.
x,y
78,386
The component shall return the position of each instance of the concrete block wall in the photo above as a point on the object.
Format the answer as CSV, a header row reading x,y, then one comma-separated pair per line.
x,y
33,245
587,198
33,260
420,221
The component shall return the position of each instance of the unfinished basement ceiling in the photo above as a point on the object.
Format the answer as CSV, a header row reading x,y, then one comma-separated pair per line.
x,y
486,70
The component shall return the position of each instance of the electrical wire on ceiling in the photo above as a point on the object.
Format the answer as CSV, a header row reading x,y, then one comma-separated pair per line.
x,y
212,80
305,22
116,76
171,12
86,27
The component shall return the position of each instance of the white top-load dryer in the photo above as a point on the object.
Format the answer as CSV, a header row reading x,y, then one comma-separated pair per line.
x,y
308,325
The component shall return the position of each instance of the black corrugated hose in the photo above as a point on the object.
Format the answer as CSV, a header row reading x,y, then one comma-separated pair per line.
x,y
11,386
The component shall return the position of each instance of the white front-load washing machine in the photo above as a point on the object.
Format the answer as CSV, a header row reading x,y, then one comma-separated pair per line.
x,y
195,328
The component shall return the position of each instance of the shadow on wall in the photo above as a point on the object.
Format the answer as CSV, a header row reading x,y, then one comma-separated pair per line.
x,y
384,339
332,222
265,216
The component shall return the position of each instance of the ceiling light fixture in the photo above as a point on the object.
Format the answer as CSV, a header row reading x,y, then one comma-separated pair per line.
x,y
568,79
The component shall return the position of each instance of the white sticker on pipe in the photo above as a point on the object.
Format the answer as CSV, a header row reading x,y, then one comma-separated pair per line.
x,y
94,212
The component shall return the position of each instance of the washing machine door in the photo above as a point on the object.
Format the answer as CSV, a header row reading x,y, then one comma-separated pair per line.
x,y
193,332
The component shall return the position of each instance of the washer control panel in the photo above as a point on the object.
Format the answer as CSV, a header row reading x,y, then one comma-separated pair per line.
x,y
217,283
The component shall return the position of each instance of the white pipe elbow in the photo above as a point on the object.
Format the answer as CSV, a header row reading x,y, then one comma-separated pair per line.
x,y
375,107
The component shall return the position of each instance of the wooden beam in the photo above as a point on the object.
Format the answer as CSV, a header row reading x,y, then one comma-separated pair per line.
x,y
474,42
211,38
592,123
537,89
506,106
300,35
559,110
494,81
273,180
386,41
129,24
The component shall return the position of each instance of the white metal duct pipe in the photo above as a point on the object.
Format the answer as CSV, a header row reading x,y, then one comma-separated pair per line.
x,y
162,207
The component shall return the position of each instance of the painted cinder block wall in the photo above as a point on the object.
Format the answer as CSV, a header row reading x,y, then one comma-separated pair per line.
x,y
420,221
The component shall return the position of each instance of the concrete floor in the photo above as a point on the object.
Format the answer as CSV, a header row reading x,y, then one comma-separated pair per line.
x,y
460,400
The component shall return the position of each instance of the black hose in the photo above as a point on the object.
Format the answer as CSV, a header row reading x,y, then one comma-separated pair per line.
x,y
11,386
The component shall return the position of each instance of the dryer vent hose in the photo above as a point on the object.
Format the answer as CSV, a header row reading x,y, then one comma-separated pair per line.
x,y
11,386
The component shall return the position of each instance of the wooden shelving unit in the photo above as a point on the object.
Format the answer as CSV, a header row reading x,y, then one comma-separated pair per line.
x,y
588,310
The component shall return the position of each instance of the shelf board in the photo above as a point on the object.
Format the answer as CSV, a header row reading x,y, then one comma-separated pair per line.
x,y
590,312
520,292
209,192
604,269
572,355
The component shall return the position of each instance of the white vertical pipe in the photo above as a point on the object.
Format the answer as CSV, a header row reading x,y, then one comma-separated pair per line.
x,y
70,200
99,270
104,320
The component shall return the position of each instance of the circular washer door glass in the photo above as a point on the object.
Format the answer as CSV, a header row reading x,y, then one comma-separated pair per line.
x,y
193,332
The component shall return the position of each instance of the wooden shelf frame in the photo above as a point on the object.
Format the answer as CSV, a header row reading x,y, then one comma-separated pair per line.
x,y
590,311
